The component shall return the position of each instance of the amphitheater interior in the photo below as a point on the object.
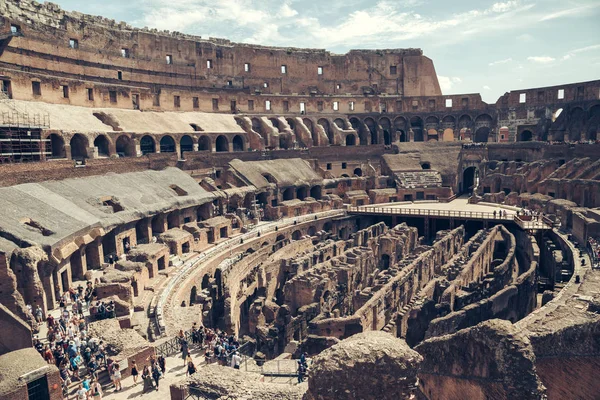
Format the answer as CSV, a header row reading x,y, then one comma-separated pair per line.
x,y
410,244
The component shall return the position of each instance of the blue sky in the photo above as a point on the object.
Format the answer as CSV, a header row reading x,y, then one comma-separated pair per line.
x,y
487,47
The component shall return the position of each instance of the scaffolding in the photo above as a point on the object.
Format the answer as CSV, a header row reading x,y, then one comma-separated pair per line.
x,y
21,133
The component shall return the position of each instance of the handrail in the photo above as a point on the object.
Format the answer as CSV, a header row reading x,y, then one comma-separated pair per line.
x,y
433,213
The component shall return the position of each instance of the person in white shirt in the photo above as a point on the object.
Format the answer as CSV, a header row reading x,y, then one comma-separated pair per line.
x,y
236,360
81,393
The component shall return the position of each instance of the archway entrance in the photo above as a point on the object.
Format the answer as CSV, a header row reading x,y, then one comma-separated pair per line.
x,y
222,144
350,140
193,294
238,143
481,136
101,143
186,144
147,145
125,146
470,179
57,146
79,145
167,144
526,136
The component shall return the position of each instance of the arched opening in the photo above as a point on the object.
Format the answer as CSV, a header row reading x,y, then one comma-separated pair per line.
x,y
593,128
205,281
309,125
470,179
325,124
340,123
296,235
204,143
238,143
425,165
186,144
526,136
222,144
315,192
102,144
327,226
291,123
79,146
167,144
288,194
358,172
387,140
301,193
416,124
350,140
147,145
372,126
125,146
402,136
276,124
384,263
482,134
284,142
193,295
57,146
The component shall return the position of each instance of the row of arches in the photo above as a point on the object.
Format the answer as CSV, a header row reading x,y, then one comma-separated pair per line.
x,y
125,146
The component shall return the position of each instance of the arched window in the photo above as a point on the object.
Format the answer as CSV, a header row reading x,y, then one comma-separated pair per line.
x,y
222,144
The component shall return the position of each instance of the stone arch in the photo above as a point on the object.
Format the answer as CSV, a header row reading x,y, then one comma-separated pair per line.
x,y
276,124
350,140
465,121
56,146
325,124
103,145
288,194
309,125
167,144
372,126
340,123
205,281
222,144
296,235
301,192
315,192
147,145
448,121
256,125
470,179
312,231
79,146
358,172
402,137
193,295
400,124
577,120
204,143
416,124
125,146
186,143
238,143
384,263
425,165
482,134
526,136
291,123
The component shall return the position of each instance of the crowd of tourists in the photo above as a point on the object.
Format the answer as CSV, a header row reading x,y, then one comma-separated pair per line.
x,y
77,355
594,247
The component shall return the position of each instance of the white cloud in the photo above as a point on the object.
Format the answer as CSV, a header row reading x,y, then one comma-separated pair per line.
x,y
447,82
286,11
572,53
506,60
566,56
486,87
569,12
541,59
504,7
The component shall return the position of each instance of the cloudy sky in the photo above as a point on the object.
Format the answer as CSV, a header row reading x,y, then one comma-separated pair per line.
x,y
477,46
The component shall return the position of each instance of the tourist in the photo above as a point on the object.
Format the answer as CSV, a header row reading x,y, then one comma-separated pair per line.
x,y
96,390
156,375
81,392
301,372
116,376
39,315
184,349
134,372
236,360
147,379
191,368
162,364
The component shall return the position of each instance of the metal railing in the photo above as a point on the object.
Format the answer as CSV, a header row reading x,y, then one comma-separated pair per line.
x,y
172,346
433,213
